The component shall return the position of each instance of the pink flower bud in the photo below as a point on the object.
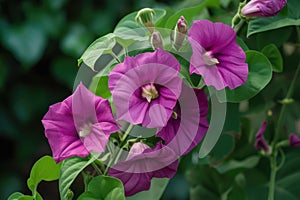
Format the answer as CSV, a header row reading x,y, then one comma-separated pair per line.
x,y
157,41
180,32
260,142
263,8
294,140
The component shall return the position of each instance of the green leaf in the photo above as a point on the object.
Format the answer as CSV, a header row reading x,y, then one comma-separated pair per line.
x,y
289,16
274,56
247,163
232,119
99,86
157,188
70,169
104,188
260,74
102,45
15,196
262,39
189,13
206,183
241,43
45,169
223,148
26,197
236,192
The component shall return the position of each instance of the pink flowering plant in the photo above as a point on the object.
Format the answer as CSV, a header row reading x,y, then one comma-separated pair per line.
x,y
170,88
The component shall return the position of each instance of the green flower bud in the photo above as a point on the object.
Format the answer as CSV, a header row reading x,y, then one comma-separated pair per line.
x,y
145,17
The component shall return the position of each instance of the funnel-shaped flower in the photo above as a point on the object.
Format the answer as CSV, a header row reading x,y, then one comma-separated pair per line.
x,y
263,8
143,164
145,88
260,142
188,124
216,55
80,124
294,140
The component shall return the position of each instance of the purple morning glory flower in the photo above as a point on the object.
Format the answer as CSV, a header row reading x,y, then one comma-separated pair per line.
x,y
80,124
145,88
294,140
143,164
188,124
260,142
263,8
216,55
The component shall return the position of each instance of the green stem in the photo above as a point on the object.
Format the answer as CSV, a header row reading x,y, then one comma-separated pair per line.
x,y
115,57
284,106
115,159
123,139
238,27
272,177
276,147
126,51
97,168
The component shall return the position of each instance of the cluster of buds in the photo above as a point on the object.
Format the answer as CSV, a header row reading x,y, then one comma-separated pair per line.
x,y
145,17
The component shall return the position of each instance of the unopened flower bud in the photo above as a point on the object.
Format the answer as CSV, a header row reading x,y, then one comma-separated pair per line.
x,y
263,8
260,142
180,32
145,17
294,140
157,41
136,149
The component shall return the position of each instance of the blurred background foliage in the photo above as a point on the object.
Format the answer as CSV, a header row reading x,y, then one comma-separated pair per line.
x,y
41,41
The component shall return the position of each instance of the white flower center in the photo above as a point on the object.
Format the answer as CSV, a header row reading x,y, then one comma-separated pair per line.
x,y
85,130
149,92
209,60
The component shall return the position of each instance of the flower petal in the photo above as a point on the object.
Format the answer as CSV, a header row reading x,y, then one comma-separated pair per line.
x,y
141,166
187,130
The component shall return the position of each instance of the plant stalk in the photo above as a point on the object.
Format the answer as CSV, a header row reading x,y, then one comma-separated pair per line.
x,y
284,106
115,159
272,177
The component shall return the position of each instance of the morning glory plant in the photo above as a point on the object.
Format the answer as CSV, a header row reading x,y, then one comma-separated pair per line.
x,y
173,89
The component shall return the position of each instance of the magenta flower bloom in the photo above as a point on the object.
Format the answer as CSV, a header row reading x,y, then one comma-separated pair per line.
x,y
216,55
188,124
263,8
145,88
294,140
80,124
143,164
260,142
